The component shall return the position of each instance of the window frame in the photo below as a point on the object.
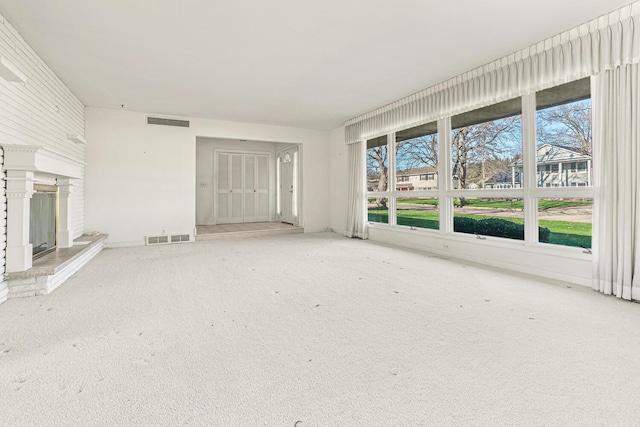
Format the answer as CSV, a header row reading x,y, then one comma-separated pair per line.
x,y
529,192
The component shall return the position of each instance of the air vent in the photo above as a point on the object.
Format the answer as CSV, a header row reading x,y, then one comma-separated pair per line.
x,y
167,122
164,239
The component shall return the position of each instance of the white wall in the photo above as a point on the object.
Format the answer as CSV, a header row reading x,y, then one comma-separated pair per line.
x,y
141,179
205,182
40,112
338,172
568,264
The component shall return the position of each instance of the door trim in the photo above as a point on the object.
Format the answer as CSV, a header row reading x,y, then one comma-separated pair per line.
x,y
298,183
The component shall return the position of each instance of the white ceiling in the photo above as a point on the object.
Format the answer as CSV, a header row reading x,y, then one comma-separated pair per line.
x,y
300,63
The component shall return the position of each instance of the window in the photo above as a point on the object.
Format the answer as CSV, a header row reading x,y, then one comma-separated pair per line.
x,y
485,142
418,212
565,221
377,164
489,217
485,189
563,131
417,153
378,179
377,209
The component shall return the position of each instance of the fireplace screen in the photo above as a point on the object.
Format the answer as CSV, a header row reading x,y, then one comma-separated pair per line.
x,y
43,224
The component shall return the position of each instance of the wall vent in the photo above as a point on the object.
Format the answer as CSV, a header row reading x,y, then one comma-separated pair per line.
x,y
164,239
167,122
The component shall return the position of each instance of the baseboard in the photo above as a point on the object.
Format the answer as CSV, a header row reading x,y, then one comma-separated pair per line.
x,y
316,230
124,244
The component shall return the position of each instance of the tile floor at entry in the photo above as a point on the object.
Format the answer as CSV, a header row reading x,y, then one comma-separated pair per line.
x,y
253,229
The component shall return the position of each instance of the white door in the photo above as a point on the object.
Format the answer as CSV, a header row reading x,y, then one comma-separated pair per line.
x,y
230,188
243,188
287,176
256,188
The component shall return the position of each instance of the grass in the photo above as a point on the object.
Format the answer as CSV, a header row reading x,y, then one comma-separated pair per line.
x,y
502,203
564,233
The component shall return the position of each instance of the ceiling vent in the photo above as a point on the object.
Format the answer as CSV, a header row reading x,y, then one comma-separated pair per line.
x,y
167,122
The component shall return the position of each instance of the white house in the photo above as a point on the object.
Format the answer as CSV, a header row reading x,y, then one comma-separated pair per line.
x,y
417,179
556,167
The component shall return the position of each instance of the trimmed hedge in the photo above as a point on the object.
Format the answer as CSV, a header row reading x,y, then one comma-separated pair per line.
x,y
496,227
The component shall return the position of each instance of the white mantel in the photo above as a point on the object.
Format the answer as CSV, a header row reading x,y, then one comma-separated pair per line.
x,y
33,158
24,166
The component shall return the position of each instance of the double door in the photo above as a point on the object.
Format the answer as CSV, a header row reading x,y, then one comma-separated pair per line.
x,y
243,188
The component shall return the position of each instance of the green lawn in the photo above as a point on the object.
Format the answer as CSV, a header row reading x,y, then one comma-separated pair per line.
x,y
562,232
501,203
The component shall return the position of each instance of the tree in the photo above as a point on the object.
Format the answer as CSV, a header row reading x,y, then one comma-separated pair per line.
x,y
418,152
482,144
377,170
567,126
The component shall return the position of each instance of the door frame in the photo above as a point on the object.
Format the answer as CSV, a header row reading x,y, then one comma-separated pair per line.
x,y
216,152
298,182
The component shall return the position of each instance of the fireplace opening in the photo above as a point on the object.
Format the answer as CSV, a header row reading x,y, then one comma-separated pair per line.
x,y
43,221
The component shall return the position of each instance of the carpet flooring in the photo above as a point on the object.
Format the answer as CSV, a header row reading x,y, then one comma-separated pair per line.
x,y
314,330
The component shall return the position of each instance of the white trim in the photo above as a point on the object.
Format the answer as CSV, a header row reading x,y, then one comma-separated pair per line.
x,y
10,72
297,175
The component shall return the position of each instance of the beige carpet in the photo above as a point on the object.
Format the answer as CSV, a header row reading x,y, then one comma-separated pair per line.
x,y
317,330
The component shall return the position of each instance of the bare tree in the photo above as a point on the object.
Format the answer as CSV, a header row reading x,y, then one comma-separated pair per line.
x,y
567,126
418,152
377,170
479,143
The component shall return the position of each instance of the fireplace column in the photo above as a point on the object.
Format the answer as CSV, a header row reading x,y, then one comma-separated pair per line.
x,y
65,231
19,192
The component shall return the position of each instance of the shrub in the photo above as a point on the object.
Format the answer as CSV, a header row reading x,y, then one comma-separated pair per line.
x,y
464,225
543,234
496,227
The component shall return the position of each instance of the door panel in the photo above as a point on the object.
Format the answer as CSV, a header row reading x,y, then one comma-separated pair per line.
x,y
223,188
249,188
263,173
262,188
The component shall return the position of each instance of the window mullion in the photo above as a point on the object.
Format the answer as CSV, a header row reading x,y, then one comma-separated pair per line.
x,y
391,140
445,205
529,169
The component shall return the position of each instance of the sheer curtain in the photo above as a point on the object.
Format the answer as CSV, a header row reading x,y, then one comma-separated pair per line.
x,y
356,224
617,182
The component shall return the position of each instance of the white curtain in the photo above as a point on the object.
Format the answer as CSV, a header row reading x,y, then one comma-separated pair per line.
x,y
604,43
617,182
356,224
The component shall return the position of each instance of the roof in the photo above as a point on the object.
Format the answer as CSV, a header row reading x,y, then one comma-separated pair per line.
x,y
503,177
418,171
548,153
